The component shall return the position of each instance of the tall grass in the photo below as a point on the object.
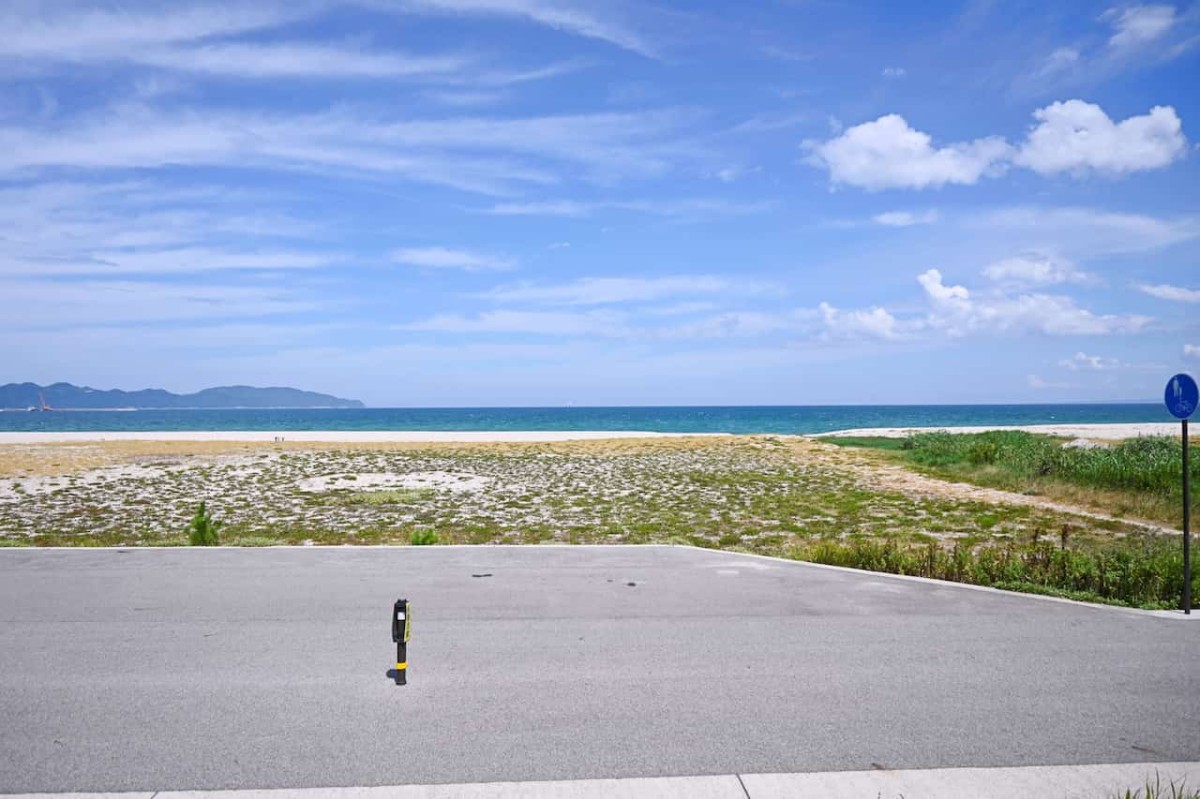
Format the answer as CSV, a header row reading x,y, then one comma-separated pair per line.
x,y
1143,465
1145,572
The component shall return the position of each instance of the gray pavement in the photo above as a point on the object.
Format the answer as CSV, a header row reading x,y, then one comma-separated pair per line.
x,y
150,670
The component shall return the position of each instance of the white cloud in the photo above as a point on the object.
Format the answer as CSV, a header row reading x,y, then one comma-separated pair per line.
x,y
954,311
1083,362
581,19
540,323
1167,292
894,72
1064,59
1136,26
80,35
446,258
480,154
1191,351
295,59
694,207
1070,136
906,218
608,290
1084,232
33,304
887,154
1079,138
856,324
1034,270
1035,382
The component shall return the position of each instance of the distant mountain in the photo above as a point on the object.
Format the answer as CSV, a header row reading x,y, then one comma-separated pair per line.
x,y
67,396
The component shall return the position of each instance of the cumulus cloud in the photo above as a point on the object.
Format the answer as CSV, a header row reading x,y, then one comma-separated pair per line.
x,y
446,258
888,154
1034,270
1191,351
1165,291
905,218
956,312
855,324
1079,138
1073,136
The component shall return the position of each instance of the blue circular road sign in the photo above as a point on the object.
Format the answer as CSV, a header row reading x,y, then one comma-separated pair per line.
x,y
1181,396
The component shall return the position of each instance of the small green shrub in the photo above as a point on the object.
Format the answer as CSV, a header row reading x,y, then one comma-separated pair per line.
x,y
204,530
423,538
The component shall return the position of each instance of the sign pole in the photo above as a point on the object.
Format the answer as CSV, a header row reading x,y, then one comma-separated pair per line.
x,y
1182,397
1187,518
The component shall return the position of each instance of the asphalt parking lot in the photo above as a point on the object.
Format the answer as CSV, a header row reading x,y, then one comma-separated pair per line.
x,y
125,670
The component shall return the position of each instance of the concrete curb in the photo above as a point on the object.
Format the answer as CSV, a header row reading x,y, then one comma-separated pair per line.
x,y
1024,782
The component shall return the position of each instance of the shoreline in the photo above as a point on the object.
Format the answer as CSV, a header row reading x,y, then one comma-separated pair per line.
x,y
1107,432
340,436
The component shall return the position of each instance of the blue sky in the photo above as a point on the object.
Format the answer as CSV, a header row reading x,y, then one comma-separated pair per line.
x,y
543,202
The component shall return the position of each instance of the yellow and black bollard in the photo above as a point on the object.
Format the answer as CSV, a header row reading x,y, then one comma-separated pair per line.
x,y
401,627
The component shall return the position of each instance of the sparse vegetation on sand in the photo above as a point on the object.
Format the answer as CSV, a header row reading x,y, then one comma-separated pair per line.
x,y
778,496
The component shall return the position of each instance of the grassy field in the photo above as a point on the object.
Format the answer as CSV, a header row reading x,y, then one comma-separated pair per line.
x,y
1138,478
788,497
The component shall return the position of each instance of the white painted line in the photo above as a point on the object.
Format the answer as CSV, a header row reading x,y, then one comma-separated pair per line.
x,y
1028,782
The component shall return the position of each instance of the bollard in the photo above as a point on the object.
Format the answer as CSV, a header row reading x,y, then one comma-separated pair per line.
x,y
401,628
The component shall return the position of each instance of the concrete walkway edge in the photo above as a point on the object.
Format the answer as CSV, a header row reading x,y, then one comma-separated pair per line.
x,y
1026,782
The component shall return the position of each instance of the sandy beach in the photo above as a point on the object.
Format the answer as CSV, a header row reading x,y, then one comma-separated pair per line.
x,y
1106,432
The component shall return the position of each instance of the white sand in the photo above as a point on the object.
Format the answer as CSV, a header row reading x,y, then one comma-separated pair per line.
x,y
340,436
455,482
1106,432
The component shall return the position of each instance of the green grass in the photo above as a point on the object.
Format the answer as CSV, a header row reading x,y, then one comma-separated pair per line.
x,y
395,496
423,538
870,442
1146,572
1138,477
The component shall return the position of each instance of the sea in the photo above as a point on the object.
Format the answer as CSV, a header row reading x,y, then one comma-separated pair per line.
x,y
799,419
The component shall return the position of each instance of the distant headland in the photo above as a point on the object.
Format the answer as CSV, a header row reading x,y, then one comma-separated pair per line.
x,y
65,396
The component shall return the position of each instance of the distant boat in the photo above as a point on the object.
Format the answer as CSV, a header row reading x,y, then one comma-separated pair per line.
x,y
45,406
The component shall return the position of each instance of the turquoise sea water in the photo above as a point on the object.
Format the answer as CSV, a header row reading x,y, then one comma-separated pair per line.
x,y
770,419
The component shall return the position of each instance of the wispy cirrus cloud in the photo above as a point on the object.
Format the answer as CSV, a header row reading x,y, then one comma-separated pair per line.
x,y
692,207
63,32
906,218
57,305
589,20
477,154
1128,37
610,290
1165,291
449,258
